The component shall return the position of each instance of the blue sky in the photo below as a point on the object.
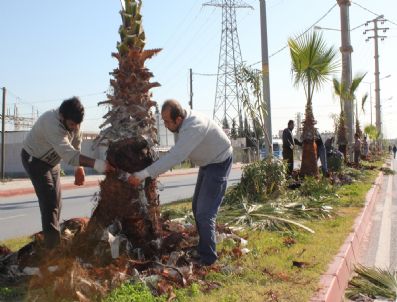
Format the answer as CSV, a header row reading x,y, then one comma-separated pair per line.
x,y
51,50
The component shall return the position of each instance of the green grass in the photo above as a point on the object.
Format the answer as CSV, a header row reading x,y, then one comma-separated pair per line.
x,y
354,194
132,292
15,244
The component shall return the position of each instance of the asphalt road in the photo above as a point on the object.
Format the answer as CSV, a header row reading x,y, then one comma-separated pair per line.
x,y
380,242
20,215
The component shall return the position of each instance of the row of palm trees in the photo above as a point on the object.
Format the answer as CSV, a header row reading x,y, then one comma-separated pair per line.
x,y
312,65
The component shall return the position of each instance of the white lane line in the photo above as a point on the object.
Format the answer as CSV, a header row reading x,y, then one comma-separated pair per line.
x,y
12,217
382,259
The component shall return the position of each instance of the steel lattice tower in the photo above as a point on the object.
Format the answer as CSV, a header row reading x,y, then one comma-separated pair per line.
x,y
228,104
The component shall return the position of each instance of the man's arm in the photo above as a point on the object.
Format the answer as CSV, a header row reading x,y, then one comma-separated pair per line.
x,y
101,166
297,142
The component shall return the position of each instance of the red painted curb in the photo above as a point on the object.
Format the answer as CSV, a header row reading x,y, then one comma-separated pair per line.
x,y
30,190
88,183
334,282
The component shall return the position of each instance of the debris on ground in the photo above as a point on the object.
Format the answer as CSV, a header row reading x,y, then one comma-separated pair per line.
x,y
62,272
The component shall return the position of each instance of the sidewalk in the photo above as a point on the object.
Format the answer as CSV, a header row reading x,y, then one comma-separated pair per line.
x,y
21,186
334,281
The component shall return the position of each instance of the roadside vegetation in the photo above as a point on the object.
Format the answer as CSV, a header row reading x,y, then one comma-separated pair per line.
x,y
291,232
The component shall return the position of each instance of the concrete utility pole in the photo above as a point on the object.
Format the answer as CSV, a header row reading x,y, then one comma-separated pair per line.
x,y
3,130
191,88
376,36
265,73
346,49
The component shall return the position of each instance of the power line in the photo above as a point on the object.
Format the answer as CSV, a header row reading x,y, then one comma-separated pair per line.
x,y
286,46
368,10
361,25
308,29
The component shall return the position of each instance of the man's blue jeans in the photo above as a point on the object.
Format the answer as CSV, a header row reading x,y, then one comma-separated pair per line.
x,y
207,198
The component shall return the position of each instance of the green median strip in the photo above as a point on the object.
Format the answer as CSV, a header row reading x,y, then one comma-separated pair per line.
x,y
281,265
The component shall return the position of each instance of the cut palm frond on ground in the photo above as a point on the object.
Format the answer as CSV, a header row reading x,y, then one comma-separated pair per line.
x,y
273,216
372,282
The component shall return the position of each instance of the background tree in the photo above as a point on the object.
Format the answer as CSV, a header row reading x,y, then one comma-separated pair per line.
x,y
253,102
225,124
233,131
372,133
345,94
358,127
312,63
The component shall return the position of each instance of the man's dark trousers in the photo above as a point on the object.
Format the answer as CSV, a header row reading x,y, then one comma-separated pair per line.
x,y
208,195
288,155
46,182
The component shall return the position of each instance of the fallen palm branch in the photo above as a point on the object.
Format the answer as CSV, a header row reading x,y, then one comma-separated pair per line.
x,y
273,216
373,283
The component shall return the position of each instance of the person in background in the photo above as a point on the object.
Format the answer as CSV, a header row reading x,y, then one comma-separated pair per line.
x,y
206,145
357,148
321,153
288,146
365,148
56,135
329,145
394,150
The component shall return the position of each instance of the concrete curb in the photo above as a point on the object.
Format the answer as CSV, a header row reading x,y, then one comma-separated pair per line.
x,y
334,282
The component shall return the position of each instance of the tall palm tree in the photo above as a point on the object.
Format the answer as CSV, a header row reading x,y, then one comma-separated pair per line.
x,y
345,94
312,63
129,128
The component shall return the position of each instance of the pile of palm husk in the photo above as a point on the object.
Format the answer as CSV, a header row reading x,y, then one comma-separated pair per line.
x,y
66,272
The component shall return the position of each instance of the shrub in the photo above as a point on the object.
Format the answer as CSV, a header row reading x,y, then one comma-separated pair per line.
x,y
259,181
335,161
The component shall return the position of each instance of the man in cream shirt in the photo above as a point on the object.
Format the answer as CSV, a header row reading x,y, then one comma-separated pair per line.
x,y
206,145
56,135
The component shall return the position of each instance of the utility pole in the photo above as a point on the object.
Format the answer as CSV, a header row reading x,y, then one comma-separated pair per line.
x,y
265,76
3,128
191,88
376,36
346,49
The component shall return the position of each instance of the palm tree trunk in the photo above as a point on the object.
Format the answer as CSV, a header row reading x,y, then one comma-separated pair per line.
x,y
132,135
342,136
309,152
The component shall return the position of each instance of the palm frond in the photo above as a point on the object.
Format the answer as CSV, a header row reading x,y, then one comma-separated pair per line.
x,y
363,100
373,282
274,219
356,81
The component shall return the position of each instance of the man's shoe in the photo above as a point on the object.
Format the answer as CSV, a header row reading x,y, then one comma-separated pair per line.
x,y
194,254
201,264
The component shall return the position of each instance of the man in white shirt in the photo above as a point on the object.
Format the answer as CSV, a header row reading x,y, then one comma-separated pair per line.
x,y
206,145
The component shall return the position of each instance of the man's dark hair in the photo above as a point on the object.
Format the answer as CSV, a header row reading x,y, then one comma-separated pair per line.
x,y
290,122
175,108
72,109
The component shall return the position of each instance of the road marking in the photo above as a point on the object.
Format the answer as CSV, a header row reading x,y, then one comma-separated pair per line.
x,y
382,259
11,217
